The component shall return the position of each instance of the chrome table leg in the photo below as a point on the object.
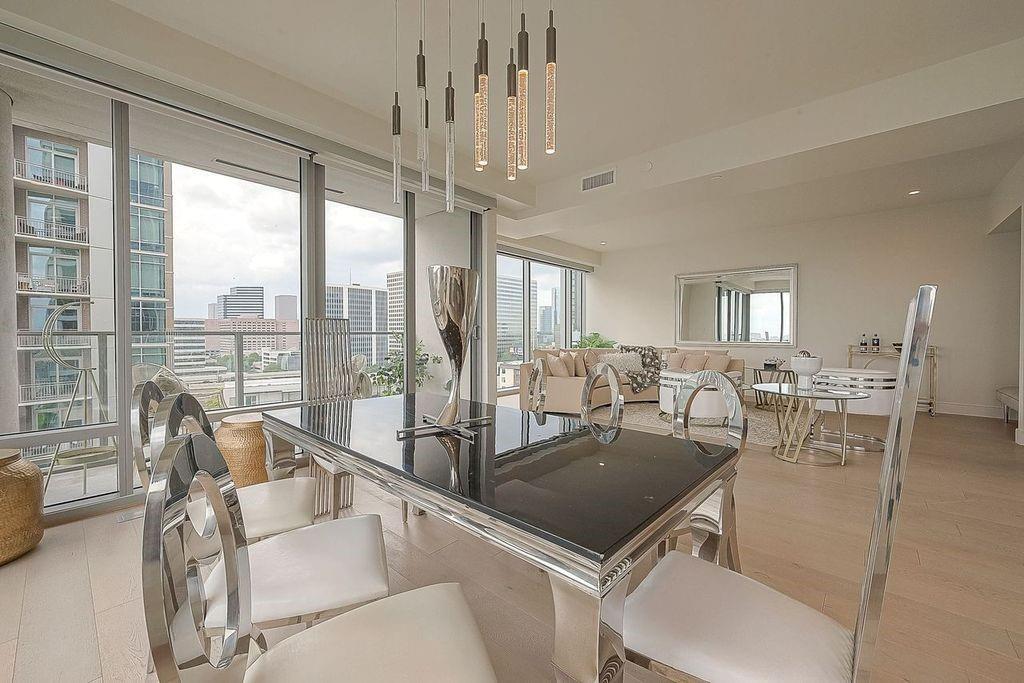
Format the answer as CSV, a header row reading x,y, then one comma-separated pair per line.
x,y
280,456
588,633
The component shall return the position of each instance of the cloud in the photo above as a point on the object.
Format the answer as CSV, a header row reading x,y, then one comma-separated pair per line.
x,y
230,232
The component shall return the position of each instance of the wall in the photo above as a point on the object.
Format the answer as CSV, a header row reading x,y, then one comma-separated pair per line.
x,y
855,275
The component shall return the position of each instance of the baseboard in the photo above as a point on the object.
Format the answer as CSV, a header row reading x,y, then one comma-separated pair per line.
x,y
970,409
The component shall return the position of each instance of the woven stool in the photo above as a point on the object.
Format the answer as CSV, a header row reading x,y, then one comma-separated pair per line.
x,y
240,438
21,505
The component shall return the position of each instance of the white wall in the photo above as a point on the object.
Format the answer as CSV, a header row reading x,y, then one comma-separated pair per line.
x,y
856,274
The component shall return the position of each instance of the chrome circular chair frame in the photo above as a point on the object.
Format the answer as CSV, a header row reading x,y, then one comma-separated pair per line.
x,y
717,514
192,517
145,400
604,434
736,422
536,388
176,415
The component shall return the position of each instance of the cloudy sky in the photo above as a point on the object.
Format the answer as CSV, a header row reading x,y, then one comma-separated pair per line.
x,y
230,232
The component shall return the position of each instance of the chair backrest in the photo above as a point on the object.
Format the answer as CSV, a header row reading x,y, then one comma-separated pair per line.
x,y
604,434
890,483
177,414
327,357
736,425
192,510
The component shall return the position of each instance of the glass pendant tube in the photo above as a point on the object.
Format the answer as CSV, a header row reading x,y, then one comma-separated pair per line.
x,y
480,112
396,130
449,146
422,108
523,95
511,114
549,88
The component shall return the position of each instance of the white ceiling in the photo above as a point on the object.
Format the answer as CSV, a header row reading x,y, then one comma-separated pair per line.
x,y
633,76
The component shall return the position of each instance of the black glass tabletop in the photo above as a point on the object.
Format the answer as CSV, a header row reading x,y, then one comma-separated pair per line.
x,y
545,474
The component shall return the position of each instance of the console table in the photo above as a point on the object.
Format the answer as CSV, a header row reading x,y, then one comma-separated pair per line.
x,y
928,401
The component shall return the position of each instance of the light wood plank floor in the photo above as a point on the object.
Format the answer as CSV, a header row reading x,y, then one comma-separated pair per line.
x,y
71,609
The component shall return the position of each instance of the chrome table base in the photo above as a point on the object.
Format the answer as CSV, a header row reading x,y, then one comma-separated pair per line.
x,y
461,429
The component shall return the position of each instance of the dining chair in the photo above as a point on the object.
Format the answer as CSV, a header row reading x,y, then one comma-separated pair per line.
x,y
270,508
715,518
331,373
298,576
194,518
696,618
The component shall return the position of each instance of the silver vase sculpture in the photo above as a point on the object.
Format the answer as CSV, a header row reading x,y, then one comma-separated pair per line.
x,y
454,291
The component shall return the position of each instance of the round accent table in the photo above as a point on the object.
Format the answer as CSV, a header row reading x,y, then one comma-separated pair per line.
x,y
796,418
240,438
21,505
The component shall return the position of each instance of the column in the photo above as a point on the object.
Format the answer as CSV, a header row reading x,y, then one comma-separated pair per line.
x,y
8,277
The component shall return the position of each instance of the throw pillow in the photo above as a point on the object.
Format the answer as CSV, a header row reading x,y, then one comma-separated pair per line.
x,y
624,362
693,362
556,367
675,361
590,359
717,361
581,365
717,352
569,360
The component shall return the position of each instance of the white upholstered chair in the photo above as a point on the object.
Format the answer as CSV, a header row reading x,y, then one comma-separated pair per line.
x,y
270,508
717,625
193,518
299,575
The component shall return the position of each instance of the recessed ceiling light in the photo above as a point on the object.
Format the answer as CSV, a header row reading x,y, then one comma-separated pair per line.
x,y
913,192
716,177
603,243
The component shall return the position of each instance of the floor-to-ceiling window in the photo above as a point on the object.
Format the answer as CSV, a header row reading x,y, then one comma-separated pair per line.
x,y
540,305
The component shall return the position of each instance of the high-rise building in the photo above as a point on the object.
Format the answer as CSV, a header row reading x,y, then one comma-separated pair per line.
x,y
63,253
260,333
189,349
545,322
367,311
396,310
286,307
240,302
509,316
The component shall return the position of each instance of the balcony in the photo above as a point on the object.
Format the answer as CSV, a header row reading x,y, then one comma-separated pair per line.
x,y
45,230
53,177
46,391
44,284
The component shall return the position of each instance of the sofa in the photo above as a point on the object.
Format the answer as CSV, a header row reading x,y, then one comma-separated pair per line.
x,y
562,394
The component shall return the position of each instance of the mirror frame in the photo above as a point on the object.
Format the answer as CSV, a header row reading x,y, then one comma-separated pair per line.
x,y
680,281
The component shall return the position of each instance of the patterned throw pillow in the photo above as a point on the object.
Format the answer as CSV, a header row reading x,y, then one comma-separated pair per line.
x,y
624,362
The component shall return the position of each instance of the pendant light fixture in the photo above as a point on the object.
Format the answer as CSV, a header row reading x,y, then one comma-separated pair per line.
x,y
423,108
396,129
480,108
549,85
449,128
512,101
523,93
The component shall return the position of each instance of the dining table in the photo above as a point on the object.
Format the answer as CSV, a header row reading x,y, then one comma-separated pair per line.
x,y
541,487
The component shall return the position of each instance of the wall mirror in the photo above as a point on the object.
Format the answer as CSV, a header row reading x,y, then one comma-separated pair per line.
x,y
749,307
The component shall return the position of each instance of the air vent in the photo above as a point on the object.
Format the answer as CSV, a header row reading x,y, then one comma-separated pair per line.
x,y
598,180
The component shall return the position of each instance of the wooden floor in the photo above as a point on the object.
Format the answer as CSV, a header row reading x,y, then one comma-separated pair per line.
x,y
71,609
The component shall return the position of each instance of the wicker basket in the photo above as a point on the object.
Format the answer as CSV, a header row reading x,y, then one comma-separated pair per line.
x,y
21,505
240,438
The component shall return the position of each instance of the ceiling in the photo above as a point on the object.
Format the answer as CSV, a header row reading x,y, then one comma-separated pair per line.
x,y
633,76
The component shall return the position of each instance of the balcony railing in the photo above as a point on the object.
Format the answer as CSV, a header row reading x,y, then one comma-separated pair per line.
x,y
46,391
34,340
50,176
45,284
36,227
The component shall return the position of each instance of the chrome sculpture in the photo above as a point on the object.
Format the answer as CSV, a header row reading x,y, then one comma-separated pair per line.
x,y
604,434
453,297
192,508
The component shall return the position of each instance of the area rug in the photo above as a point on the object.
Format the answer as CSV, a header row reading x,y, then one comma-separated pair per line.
x,y
761,425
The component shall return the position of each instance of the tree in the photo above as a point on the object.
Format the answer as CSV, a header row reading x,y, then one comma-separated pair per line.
x,y
389,375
